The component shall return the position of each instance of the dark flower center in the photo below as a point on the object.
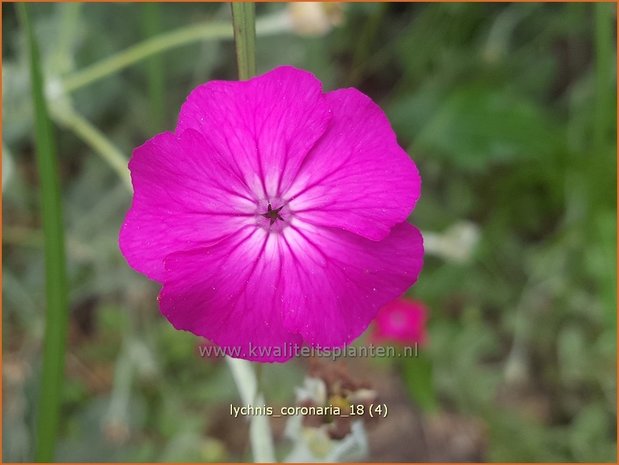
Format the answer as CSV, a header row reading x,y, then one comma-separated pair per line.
x,y
273,215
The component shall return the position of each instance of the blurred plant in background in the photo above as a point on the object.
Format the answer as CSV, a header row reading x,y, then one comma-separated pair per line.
x,y
509,111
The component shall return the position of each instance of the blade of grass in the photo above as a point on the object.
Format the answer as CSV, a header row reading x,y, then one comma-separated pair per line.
x,y
151,23
244,22
56,318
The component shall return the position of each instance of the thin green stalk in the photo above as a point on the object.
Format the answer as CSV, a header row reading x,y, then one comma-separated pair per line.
x,y
95,139
244,22
57,315
155,71
247,380
603,70
146,49
69,20
268,25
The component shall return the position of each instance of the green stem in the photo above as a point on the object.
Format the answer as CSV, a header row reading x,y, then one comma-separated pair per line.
x,y
247,380
69,20
269,25
57,315
244,22
259,426
145,49
95,139
603,55
155,69
67,117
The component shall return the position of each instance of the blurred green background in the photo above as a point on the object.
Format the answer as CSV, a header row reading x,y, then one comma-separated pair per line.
x,y
508,110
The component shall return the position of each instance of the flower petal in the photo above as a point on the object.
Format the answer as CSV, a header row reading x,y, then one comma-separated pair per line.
x,y
181,200
340,295
356,177
230,294
402,321
307,285
263,127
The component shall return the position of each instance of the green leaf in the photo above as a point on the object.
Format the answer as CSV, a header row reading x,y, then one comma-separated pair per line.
x,y
55,270
589,432
418,379
474,126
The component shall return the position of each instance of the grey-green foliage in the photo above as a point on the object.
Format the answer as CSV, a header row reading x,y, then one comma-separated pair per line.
x,y
495,102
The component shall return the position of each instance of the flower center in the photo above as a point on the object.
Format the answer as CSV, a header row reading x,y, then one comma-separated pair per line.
x,y
273,214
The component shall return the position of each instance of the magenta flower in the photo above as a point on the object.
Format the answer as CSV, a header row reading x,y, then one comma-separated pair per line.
x,y
402,321
275,215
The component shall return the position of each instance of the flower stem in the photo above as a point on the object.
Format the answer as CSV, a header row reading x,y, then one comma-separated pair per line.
x,y
95,139
57,315
248,381
144,50
244,22
151,24
268,25
259,427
